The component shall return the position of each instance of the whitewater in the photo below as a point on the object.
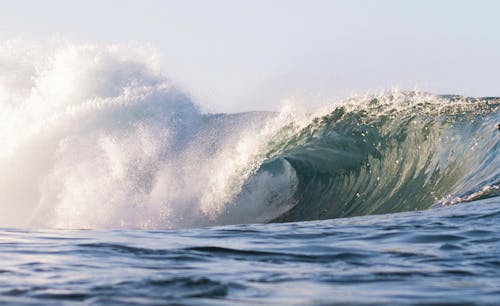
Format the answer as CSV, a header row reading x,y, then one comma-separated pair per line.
x,y
104,160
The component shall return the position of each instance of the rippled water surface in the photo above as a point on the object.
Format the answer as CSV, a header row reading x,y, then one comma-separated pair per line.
x,y
447,255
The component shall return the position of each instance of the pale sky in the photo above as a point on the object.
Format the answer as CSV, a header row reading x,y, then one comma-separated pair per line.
x,y
247,55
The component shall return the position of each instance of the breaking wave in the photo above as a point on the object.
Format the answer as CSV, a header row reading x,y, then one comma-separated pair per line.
x,y
97,137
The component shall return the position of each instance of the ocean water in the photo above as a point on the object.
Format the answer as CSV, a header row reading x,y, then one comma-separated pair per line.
x,y
440,256
116,188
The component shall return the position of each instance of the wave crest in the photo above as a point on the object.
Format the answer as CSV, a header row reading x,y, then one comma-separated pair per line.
x,y
97,137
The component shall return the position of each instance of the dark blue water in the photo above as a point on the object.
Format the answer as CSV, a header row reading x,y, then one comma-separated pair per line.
x,y
445,255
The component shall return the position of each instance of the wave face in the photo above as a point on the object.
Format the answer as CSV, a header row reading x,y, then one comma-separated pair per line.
x,y
394,153
97,137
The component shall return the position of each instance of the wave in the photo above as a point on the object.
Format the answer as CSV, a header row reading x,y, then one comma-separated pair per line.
x,y
393,153
97,137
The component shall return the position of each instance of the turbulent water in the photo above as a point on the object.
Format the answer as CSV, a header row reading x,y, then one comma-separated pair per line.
x,y
97,138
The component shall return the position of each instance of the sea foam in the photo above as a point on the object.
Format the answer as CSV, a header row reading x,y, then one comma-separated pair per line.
x,y
95,136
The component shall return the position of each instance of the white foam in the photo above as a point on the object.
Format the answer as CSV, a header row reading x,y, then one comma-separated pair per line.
x,y
97,137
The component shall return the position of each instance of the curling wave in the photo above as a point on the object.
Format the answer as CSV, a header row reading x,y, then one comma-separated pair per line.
x,y
97,137
393,153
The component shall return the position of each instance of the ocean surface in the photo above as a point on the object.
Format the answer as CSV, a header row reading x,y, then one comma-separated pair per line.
x,y
116,188
439,256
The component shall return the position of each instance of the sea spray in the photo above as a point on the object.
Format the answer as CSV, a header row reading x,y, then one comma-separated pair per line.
x,y
96,137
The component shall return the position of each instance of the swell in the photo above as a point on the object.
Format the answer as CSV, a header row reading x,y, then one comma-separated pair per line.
x,y
392,154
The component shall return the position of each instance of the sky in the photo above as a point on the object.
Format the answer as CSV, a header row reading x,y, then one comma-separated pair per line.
x,y
247,55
